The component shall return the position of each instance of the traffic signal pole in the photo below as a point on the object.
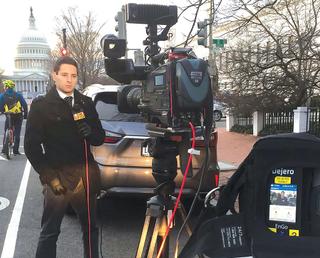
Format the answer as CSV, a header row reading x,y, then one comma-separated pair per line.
x,y
211,19
212,56
63,50
64,38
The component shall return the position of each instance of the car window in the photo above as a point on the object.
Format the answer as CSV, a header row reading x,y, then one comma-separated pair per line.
x,y
106,106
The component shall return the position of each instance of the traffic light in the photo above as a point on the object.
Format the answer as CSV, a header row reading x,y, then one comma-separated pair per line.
x,y
202,33
63,51
121,25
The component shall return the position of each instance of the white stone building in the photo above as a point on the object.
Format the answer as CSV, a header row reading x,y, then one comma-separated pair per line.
x,y
32,62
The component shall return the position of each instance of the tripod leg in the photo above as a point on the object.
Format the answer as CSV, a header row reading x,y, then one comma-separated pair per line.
x,y
161,235
143,236
154,237
182,212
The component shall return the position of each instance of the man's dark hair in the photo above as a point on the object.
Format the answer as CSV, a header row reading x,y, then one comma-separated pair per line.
x,y
64,60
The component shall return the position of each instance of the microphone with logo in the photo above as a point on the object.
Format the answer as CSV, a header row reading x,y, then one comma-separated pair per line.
x,y
79,117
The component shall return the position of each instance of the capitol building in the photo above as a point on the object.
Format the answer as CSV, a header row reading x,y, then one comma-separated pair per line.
x,y
32,62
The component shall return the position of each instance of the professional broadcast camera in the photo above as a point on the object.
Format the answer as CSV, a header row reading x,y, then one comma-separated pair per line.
x,y
175,96
176,86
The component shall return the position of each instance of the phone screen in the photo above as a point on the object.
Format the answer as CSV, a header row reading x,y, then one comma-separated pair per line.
x,y
283,203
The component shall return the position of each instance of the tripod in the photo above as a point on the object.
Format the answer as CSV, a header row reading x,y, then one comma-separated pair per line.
x,y
160,206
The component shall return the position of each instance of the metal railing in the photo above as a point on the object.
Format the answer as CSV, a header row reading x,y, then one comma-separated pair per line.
x,y
277,122
244,121
313,121
243,124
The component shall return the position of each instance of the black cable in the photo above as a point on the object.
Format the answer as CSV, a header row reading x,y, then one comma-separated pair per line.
x,y
202,170
87,193
101,228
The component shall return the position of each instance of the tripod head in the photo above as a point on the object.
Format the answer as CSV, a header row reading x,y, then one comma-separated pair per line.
x,y
164,146
164,163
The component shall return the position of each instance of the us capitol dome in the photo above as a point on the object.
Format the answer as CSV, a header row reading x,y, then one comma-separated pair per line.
x,y
32,62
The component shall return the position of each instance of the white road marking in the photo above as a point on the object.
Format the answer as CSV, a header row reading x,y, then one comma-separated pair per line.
x,y
4,203
12,231
3,158
1,145
2,135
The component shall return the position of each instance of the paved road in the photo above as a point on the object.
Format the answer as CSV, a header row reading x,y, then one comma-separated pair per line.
x,y
121,219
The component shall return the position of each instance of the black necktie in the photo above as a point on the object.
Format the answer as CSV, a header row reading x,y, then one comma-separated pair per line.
x,y
69,100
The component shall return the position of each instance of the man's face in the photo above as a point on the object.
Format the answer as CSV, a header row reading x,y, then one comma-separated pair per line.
x,y
66,79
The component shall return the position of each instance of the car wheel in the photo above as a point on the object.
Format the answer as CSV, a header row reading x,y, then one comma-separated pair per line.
x,y
217,115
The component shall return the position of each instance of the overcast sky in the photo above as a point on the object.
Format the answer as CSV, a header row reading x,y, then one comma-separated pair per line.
x,y
14,19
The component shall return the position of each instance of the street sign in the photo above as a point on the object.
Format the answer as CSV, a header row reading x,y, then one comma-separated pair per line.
x,y
219,42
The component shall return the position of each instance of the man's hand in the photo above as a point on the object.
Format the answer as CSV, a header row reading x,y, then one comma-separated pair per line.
x,y
84,129
57,187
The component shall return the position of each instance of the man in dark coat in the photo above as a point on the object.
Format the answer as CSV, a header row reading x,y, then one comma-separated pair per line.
x,y
59,132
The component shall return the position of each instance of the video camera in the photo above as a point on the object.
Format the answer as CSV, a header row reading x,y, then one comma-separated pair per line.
x,y
176,86
175,94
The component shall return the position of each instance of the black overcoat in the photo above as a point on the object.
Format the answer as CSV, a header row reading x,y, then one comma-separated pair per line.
x,y
52,142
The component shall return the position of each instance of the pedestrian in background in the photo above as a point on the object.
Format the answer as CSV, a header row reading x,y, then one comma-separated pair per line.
x,y
13,102
58,148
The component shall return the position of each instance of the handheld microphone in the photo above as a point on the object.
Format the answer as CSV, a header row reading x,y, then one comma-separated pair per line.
x,y
84,130
78,113
80,118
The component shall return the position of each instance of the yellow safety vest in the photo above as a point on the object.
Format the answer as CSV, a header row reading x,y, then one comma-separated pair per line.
x,y
16,109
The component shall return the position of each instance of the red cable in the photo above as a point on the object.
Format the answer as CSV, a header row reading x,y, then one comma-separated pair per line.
x,y
88,197
180,192
171,97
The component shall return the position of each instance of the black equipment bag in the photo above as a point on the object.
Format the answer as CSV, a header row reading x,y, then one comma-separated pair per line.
x,y
278,188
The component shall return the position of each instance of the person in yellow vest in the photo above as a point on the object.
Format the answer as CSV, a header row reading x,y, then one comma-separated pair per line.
x,y
14,103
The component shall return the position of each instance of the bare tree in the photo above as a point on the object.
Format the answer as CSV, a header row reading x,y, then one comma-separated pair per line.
x,y
276,59
1,78
190,11
83,38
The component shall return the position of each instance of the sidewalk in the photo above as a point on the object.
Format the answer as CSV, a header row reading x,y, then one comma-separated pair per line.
x,y
232,149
